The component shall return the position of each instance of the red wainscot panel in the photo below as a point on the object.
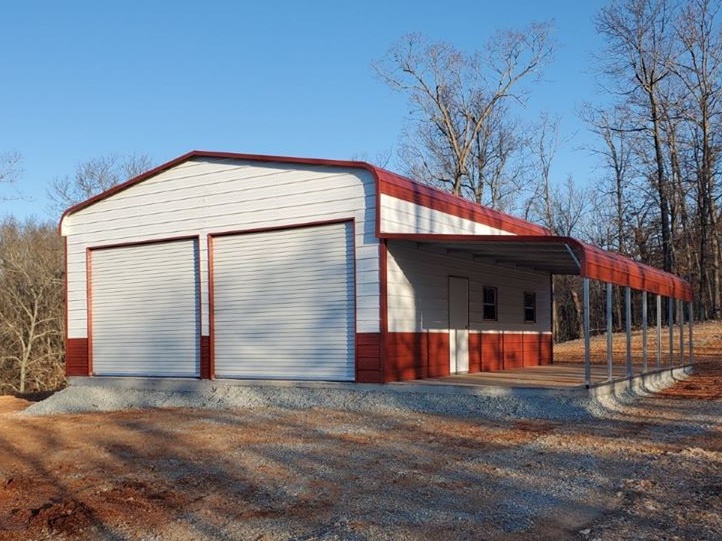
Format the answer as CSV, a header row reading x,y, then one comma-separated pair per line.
x,y
406,356
492,352
474,352
513,350
438,354
205,357
416,355
546,355
532,349
76,357
368,358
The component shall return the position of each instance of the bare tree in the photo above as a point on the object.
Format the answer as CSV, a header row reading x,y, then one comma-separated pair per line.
x,y
95,176
459,137
9,168
699,68
638,57
9,162
614,188
31,306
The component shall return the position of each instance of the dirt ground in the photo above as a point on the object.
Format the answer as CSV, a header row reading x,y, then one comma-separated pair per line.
x,y
652,470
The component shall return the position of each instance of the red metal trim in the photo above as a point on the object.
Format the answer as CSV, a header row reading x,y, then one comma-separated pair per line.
x,y
211,312
617,269
301,225
89,306
76,363
368,368
131,244
441,237
205,369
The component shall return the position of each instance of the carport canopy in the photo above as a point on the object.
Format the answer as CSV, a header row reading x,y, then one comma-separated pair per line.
x,y
556,255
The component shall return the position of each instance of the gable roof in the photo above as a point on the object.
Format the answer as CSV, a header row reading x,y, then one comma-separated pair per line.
x,y
387,183
570,256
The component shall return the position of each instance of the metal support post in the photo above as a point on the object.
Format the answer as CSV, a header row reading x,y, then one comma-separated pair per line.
x,y
587,353
610,330
670,322
680,307
659,331
644,332
691,330
628,325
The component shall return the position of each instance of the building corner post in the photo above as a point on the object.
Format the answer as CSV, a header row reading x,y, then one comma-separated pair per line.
x,y
587,353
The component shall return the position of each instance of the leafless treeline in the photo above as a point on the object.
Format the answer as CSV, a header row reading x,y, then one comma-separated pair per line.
x,y
32,275
656,196
31,307
661,138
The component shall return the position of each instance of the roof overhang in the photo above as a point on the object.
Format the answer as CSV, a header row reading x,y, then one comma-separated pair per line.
x,y
555,255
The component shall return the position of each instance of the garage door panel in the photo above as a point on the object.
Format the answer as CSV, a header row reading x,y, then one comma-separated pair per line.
x,y
145,310
283,304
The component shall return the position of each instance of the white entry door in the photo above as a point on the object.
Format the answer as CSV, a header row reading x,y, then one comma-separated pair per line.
x,y
458,325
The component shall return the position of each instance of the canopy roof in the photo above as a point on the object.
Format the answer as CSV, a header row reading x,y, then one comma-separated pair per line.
x,y
556,255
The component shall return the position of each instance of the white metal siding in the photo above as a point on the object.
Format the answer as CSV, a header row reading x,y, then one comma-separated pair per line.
x,y
399,216
418,298
283,304
145,310
206,196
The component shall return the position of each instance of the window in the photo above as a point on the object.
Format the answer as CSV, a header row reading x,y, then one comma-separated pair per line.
x,y
490,303
529,307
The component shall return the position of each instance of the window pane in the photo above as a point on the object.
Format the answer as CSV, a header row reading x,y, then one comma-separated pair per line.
x,y
490,309
529,306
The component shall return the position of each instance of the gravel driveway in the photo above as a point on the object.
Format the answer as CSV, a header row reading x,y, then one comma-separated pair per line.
x,y
650,469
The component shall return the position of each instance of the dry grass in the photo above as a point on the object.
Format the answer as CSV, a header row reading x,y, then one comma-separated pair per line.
x,y
707,345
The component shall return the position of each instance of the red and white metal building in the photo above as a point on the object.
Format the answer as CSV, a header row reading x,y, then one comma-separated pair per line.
x,y
219,265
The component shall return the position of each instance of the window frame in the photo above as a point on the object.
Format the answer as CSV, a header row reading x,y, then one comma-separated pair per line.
x,y
529,306
490,305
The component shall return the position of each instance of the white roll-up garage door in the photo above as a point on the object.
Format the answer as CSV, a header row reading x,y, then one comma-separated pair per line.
x,y
145,310
283,304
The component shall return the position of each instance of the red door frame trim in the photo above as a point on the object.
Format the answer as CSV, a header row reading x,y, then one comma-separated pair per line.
x,y
89,306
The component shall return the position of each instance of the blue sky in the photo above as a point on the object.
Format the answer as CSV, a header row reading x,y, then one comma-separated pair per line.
x,y
80,79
